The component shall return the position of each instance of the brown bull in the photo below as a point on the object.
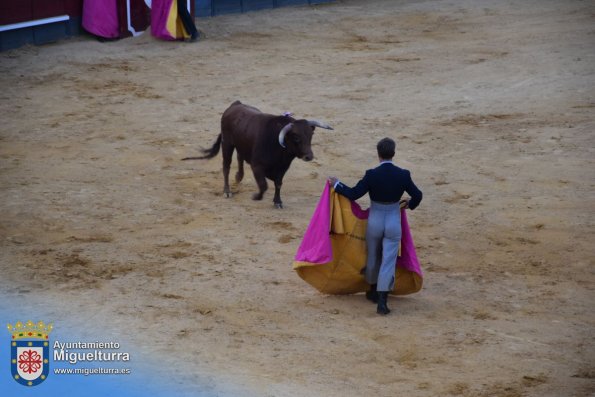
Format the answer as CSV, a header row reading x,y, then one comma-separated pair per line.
x,y
267,142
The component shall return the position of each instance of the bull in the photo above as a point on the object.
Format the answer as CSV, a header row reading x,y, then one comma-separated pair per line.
x,y
267,142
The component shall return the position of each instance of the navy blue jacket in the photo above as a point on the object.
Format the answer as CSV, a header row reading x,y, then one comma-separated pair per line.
x,y
386,184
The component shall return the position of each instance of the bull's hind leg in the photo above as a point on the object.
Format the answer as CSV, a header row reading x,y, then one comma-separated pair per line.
x,y
261,181
227,151
240,173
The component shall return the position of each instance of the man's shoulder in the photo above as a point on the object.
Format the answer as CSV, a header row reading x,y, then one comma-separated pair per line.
x,y
388,168
400,170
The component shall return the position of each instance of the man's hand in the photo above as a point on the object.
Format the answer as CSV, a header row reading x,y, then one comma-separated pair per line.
x,y
332,180
404,203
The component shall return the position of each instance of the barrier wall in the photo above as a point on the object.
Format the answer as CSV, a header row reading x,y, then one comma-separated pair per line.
x,y
209,8
37,21
44,21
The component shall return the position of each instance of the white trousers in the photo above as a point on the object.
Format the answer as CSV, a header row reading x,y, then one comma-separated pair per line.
x,y
383,236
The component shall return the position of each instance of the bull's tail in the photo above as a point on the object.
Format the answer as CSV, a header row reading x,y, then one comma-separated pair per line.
x,y
208,153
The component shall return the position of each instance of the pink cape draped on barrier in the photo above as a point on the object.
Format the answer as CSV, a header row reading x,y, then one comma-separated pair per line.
x,y
100,17
316,245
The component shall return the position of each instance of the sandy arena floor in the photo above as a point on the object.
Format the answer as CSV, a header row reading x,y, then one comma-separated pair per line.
x,y
492,106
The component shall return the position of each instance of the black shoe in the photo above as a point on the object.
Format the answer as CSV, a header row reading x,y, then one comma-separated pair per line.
x,y
382,307
372,294
194,37
198,35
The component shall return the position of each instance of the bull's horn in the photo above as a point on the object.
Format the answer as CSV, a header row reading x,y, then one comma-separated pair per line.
x,y
315,123
283,132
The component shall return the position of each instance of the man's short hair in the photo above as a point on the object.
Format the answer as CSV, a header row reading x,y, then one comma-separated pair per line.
x,y
386,148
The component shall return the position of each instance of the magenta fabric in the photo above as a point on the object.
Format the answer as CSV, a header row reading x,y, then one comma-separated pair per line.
x,y
100,17
316,245
408,258
358,211
160,10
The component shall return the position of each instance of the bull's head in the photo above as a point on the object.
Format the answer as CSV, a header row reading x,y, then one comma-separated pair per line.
x,y
297,137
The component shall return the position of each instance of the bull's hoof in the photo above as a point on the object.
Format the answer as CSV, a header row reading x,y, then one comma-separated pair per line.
x,y
257,196
279,205
227,194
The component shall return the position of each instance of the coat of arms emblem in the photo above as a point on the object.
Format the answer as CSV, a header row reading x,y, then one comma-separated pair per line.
x,y
29,352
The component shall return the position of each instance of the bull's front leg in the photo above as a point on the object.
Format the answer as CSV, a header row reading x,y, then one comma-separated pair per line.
x,y
261,181
277,199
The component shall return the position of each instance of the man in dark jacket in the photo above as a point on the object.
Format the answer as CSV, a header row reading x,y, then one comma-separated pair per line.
x,y
385,184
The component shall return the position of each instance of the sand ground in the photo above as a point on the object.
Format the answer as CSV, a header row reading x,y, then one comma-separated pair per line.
x,y
492,106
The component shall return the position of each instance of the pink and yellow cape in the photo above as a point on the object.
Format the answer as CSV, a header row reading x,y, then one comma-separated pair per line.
x,y
165,22
333,251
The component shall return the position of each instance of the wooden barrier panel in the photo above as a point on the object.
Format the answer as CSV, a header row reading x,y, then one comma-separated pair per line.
x,y
283,3
209,8
254,5
220,7
15,11
139,18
